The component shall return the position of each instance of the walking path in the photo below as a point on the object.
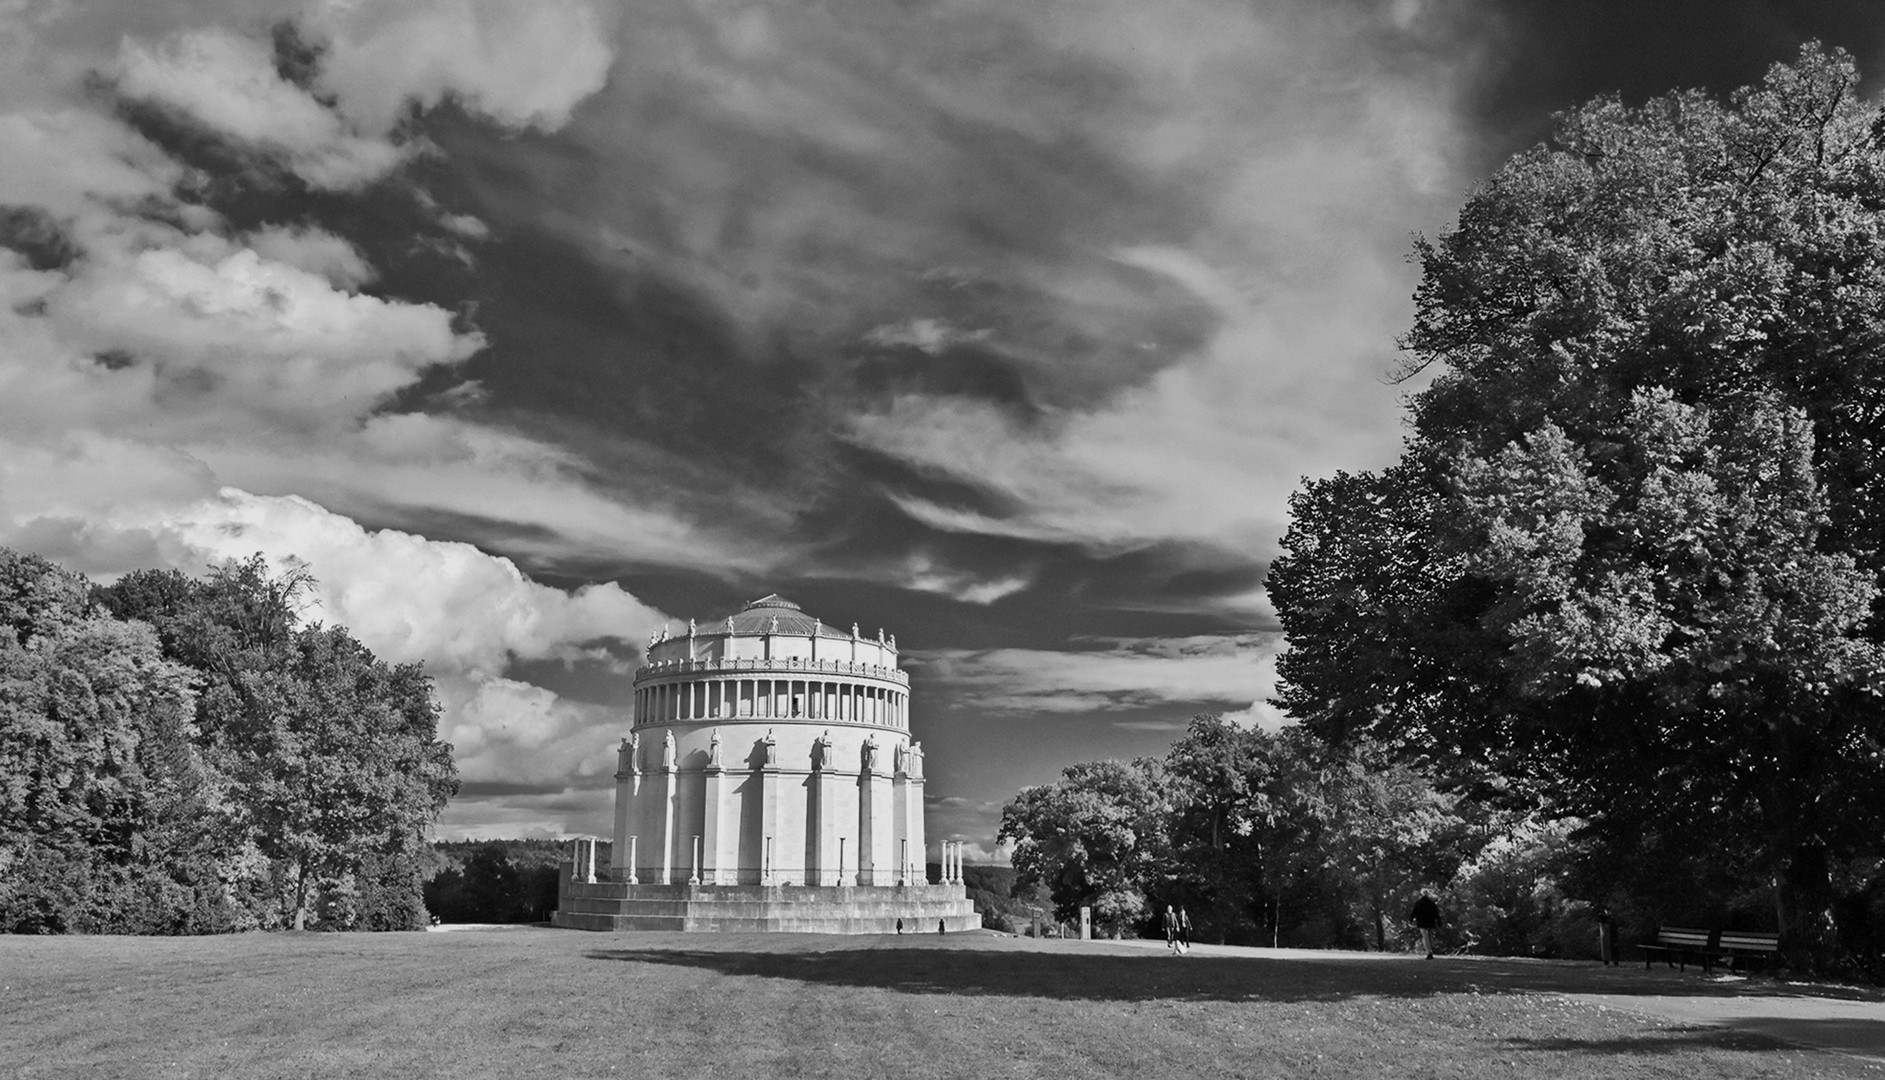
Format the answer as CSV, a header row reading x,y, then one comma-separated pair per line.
x,y
1846,1020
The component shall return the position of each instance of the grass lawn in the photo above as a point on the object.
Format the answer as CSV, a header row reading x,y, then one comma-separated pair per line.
x,y
566,1004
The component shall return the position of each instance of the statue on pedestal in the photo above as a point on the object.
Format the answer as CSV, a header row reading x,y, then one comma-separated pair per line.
x,y
772,748
713,749
667,749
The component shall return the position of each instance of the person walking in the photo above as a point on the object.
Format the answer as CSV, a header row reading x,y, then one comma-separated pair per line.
x,y
1425,914
1606,936
1184,931
1171,929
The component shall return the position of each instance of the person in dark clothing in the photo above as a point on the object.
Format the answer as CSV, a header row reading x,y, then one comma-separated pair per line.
x,y
1171,929
1184,931
1425,914
1606,936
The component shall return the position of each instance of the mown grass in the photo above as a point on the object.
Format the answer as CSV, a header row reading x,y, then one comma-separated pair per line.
x,y
565,1004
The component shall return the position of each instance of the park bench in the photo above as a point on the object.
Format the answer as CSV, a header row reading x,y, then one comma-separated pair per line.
x,y
1747,946
1677,945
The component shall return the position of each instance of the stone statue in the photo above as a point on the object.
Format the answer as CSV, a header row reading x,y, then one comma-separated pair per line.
x,y
634,749
870,753
772,749
729,626
853,631
667,748
625,756
713,748
690,628
821,750
772,627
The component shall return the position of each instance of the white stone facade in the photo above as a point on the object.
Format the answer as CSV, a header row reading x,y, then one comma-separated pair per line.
x,y
769,749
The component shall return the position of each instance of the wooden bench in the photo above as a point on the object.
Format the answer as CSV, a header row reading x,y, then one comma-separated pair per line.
x,y
1677,945
1747,946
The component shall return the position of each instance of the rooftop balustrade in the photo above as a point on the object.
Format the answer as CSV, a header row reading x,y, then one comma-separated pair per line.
x,y
788,664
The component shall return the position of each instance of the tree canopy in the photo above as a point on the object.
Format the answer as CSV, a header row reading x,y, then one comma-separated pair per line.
x,y
1629,565
185,755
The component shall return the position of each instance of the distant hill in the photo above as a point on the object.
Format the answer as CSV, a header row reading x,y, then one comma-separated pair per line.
x,y
990,887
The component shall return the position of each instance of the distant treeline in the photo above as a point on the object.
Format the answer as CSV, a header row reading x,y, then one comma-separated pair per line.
x,y
497,881
184,755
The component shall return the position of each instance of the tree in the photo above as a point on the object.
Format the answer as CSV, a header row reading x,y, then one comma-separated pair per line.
x,y
1221,780
110,820
1094,839
334,755
1630,561
1376,828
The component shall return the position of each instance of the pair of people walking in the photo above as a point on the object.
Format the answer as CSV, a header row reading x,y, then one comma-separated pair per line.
x,y
1177,930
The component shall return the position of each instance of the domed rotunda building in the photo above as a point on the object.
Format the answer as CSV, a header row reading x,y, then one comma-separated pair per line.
x,y
769,781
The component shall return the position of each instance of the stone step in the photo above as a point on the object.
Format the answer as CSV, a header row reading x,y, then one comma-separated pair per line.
x,y
782,909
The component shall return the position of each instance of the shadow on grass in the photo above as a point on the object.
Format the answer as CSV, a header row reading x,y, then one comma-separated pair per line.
x,y
1146,975
1676,1040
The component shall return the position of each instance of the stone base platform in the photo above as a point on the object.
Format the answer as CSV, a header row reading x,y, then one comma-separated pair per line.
x,y
801,909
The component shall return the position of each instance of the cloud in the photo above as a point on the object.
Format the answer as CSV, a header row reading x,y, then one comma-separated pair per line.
x,y
931,336
175,391
227,83
523,65
924,574
1120,676
315,251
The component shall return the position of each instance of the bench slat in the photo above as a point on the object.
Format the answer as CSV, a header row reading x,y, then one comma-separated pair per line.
x,y
1754,941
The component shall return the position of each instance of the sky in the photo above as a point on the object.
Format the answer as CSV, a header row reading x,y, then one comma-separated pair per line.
x,y
533,328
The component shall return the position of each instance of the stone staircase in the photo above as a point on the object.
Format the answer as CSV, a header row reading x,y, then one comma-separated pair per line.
x,y
801,909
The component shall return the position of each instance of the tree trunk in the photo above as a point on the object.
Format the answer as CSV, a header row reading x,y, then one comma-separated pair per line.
x,y
301,894
1803,905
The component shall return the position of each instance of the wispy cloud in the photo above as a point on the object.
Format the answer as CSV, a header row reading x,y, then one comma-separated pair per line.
x,y
1236,671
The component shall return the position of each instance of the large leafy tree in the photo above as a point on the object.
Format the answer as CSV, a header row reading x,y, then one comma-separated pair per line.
x,y
334,753
110,820
1629,565
1095,838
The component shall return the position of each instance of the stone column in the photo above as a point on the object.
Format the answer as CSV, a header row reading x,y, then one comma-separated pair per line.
x,y
768,780
712,814
625,784
867,821
824,817
910,799
900,815
669,811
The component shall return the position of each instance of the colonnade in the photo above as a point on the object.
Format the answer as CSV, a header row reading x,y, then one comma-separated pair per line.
x,y
951,862
816,699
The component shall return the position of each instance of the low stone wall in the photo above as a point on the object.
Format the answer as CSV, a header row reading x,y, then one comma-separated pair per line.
x,y
803,909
